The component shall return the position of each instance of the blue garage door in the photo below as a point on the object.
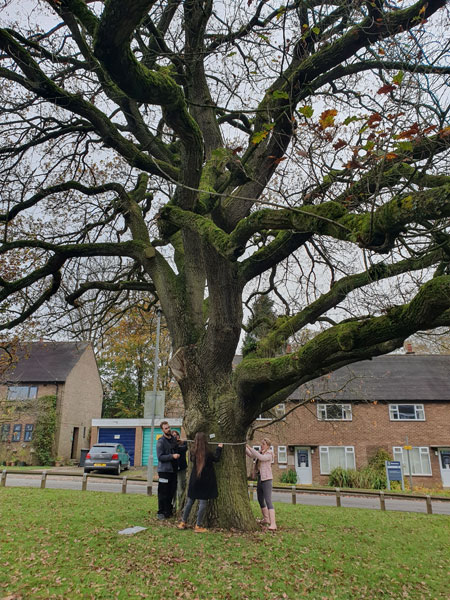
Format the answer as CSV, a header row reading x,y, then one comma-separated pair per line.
x,y
146,443
122,435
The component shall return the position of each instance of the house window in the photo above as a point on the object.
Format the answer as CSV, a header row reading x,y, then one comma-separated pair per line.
x,y
334,412
17,432
280,409
336,456
419,457
406,412
6,427
282,454
22,392
258,449
28,434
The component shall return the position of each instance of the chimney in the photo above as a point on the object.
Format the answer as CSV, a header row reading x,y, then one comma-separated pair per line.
x,y
409,349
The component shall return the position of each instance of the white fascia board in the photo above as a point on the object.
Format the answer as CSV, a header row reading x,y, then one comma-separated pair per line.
x,y
134,422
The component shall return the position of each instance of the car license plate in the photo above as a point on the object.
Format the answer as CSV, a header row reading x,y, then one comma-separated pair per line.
x,y
99,464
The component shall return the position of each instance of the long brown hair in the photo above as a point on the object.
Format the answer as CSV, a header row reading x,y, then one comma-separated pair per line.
x,y
199,450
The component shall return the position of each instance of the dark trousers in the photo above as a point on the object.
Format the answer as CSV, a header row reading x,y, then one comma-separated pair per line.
x,y
167,487
264,493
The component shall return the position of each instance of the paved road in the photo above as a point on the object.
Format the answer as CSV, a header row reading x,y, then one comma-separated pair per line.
x,y
419,506
136,487
74,483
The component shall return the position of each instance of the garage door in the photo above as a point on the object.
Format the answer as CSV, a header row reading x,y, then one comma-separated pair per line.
x,y
122,435
146,443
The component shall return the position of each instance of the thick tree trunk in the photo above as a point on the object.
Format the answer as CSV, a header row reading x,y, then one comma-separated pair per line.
x,y
231,510
213,407
232,507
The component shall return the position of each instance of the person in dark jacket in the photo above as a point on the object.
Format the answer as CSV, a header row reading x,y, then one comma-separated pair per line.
x,y
167,453
202,482
182,468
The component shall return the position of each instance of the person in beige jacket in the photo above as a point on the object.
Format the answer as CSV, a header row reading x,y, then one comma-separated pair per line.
x,y
263,468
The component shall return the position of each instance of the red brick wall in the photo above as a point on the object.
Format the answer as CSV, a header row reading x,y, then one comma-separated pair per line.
x,y
12,451
370,429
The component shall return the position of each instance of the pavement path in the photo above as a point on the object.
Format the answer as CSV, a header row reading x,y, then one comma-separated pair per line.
x,y
316,499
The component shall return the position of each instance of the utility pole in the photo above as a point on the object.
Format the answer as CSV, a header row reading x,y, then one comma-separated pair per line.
x,y
155,382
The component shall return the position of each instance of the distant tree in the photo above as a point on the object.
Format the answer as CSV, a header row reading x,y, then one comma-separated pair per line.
x,y
260,322
126,363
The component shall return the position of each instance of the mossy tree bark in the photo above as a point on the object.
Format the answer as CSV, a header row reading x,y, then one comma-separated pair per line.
x,y
192,154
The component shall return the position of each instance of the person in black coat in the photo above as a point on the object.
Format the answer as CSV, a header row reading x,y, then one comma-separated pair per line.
x,y
182,468
167,453
202,482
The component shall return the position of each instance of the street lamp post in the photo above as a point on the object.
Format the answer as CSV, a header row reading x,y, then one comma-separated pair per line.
x,y
155,381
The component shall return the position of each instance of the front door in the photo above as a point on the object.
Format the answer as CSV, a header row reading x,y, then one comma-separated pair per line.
x,y
303,465
444,463
74,450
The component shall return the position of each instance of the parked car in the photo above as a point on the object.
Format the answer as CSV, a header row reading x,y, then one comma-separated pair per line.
x,y
107,457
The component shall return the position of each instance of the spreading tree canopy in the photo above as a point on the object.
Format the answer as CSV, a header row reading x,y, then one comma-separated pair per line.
x,y
193,153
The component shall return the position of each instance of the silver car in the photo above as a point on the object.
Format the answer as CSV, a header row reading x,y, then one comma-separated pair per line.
x,y
107,457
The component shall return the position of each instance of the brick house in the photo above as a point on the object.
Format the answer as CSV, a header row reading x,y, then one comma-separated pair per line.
x,y
66,370
356,410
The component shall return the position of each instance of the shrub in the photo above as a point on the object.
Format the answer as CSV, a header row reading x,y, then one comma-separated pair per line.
x,y
340,477
289,476
373,476
44,430
378,459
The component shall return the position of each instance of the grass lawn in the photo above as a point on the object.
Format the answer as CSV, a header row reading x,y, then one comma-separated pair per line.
x,y
64,544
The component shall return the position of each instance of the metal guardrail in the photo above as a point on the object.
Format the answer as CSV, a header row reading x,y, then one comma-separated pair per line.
x,y
293,490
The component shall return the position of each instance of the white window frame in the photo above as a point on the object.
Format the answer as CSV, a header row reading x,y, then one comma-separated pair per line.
x,y
424,453
347,413
282,455
418,408
273,454
258,449
348,451
280,409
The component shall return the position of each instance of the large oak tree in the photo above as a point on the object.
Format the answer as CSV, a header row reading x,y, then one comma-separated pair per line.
x,y
196,152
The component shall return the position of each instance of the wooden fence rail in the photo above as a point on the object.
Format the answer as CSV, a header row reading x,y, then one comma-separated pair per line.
x,y
293,490
84,478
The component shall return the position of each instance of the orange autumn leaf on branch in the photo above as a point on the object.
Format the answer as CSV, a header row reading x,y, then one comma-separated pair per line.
x,y
327,118
374,120
339,144
276,161
385,89
412,132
